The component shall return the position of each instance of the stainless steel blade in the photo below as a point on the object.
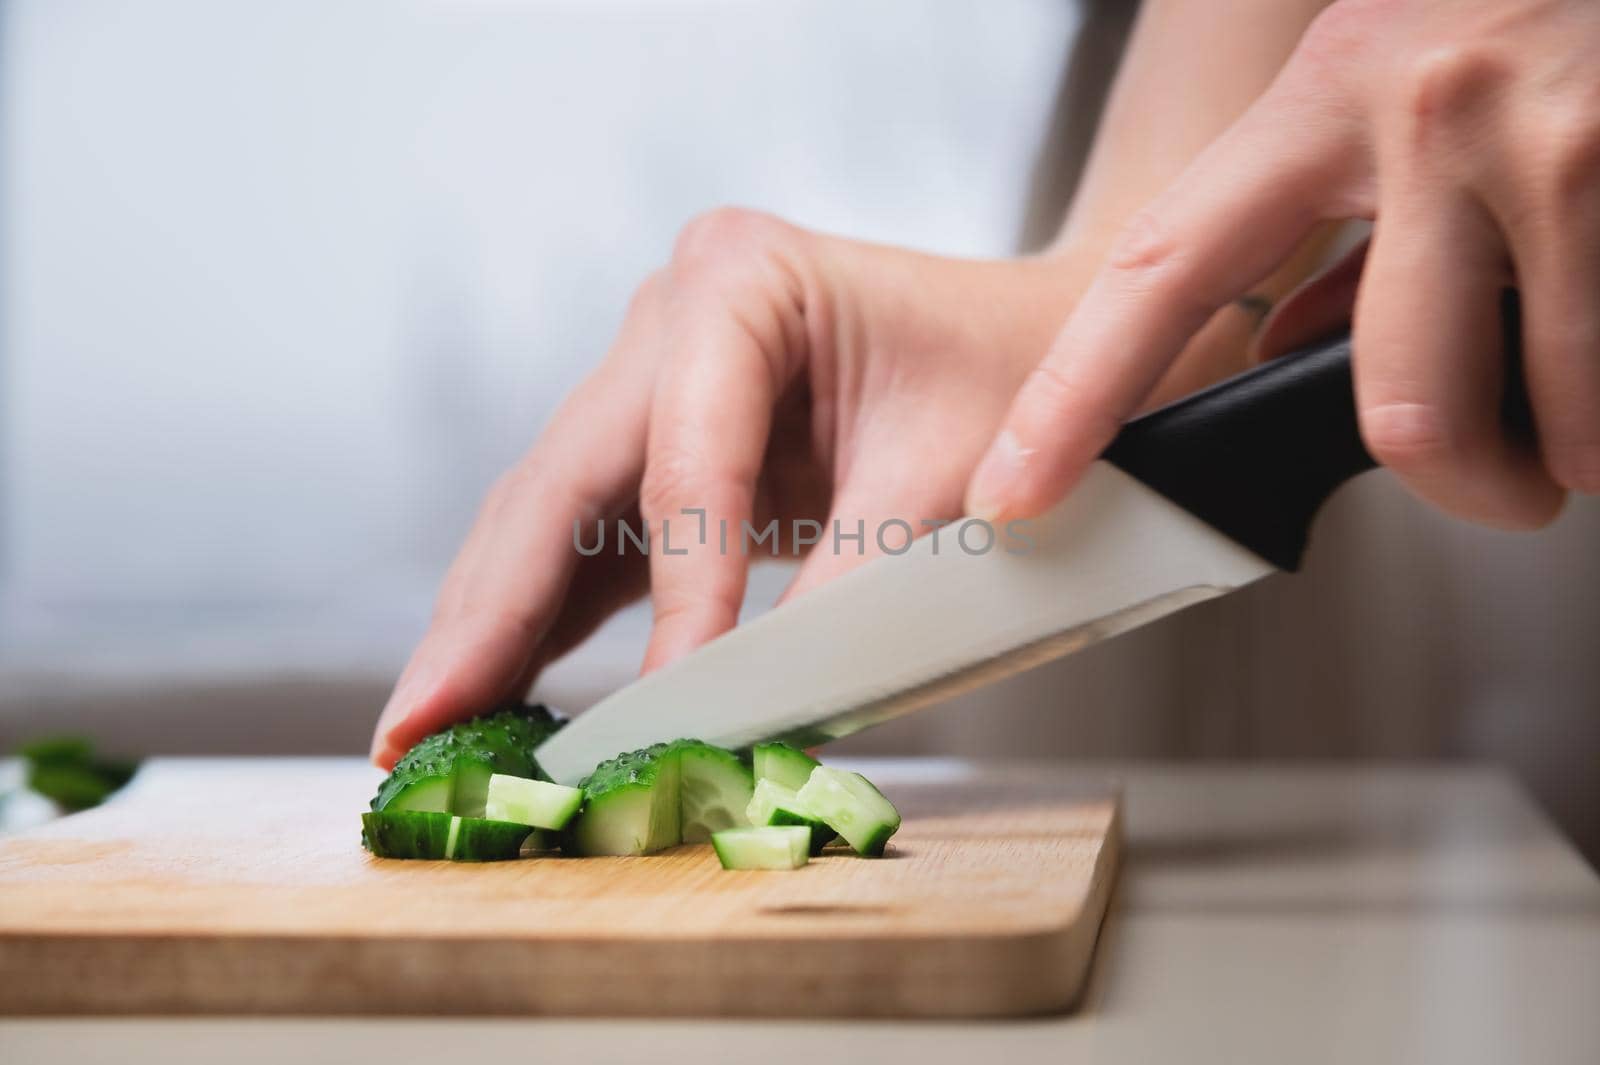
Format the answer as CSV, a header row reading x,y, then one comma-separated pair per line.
x,y
905,631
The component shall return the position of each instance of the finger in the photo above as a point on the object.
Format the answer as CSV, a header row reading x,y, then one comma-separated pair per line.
x,y
708,435
1558,269
1317,310
507,584
1238,212
1429,362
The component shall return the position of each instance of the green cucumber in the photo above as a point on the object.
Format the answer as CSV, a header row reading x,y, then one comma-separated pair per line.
x,y
783,764
630,805
852,807
714,790
773,804
440,836
530,802
449,771
772,847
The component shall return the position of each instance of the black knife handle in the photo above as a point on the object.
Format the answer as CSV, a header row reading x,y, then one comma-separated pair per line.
x,y
1257,455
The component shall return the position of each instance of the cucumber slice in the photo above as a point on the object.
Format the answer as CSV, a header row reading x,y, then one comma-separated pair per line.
x,y
783,764
530,802
773,804
631,805
852,807
479,839
715,789
406,833
439,836
773,847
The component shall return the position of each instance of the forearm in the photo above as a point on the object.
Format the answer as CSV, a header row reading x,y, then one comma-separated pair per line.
x,y
1190,70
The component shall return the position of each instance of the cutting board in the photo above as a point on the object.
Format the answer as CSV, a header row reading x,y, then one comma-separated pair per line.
x,y
240,886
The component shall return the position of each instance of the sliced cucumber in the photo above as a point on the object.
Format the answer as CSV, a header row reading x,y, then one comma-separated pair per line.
x,y
440,836
406,833
479,839
530,802
773,804
715,790
449,771
783,764
772,847
631,805
852,807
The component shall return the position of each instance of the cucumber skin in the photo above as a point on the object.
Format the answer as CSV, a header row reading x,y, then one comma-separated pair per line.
x,y
419,834
502,742
783,764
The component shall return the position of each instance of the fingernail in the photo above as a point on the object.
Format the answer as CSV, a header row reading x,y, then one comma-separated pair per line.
x,y
998,477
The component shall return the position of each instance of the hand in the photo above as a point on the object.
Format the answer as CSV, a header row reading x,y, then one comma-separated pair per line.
x,y
1470,131
766,372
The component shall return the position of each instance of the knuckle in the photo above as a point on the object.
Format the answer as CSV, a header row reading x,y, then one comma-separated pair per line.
x,y
1407,435
1449,80
1572,170
723,236
672,479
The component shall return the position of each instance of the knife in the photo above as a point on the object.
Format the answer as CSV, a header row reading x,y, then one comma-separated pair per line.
x,y
1192,501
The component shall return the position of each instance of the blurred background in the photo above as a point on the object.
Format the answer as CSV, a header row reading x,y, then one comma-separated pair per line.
x,y
284,286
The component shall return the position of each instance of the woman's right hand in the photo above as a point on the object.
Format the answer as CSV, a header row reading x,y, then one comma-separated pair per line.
x,y
765,372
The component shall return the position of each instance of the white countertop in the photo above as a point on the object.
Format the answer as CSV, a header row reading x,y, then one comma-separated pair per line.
x,y
1300,914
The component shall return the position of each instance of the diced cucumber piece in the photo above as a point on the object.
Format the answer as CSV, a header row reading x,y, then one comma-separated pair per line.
x,y
471,792
430,794
783,764
406,833
714,790
773,804
631,805
440,836
530,802
773,847
852,807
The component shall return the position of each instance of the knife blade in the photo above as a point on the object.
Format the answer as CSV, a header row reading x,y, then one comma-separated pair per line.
x,y
905,631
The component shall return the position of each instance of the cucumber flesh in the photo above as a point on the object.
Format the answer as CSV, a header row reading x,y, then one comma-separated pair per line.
x,y
714,790
783,764
440,836
431,794
471,792
852,807
530,802
771,847
774,804
631,805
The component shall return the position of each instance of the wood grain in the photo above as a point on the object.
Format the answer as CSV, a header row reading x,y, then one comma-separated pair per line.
x,y
240,886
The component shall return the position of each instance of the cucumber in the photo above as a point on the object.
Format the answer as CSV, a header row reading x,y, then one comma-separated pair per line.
x,y
772,847
774,804
714,790
630,805
852,807
530,802
449,771
437,836
783,764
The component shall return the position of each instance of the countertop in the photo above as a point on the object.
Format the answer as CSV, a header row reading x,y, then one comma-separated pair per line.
x,y
1298,913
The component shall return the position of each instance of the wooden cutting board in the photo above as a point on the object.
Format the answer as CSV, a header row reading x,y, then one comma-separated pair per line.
x,y
240,886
